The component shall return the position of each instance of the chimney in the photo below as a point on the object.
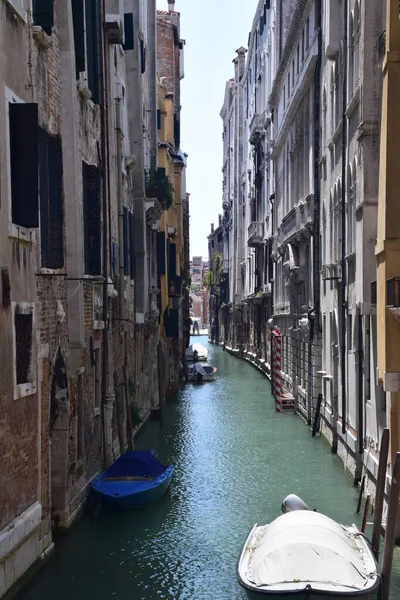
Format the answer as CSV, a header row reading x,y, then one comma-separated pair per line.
x,y
212,227
240,63
171,5
219,220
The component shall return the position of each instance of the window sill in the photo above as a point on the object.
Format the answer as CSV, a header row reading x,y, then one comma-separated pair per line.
x,y
23,390
23,234
42,38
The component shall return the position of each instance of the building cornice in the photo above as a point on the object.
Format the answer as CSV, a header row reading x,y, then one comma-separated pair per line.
x,y
298,20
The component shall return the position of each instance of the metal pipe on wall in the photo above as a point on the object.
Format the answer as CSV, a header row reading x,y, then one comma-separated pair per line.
x,y
343,305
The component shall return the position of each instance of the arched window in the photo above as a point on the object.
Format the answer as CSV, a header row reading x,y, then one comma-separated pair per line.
x,y
351,57
350,212
331,223
324,240
332,92
355,42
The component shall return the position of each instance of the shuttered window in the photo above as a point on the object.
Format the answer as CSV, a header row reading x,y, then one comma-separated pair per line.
x,y
126,242
171,261
129,32
158,119
142,57
79,35
51,201
92,46
43,14
23,120
92,219
161,252
132,245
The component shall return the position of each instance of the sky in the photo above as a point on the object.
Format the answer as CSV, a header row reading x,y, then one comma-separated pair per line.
x,y
213,30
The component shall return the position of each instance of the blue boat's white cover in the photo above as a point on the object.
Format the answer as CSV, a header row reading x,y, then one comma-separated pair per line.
x,y
303,548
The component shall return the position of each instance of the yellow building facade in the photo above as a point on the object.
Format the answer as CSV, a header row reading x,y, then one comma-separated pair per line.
x,y
388,236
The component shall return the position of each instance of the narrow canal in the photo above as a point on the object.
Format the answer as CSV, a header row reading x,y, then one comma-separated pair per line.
x,y
236,459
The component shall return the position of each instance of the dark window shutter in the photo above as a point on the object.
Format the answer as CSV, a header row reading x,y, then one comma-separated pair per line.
x,y
158,119
24,164
115,258
79,36
56,218
126,242
44,198
177,132
92,38
43,14
261,24
129,32
142,57
172,262
132,245
92,219
161,252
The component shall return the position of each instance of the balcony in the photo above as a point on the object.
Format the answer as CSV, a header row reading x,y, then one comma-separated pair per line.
x,y
256,127
159,186
266,289
255,234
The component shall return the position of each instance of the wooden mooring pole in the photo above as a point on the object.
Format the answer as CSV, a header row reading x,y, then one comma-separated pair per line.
x,y
380,492
390,534
365,517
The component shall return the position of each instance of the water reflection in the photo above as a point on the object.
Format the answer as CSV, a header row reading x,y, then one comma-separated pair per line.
x,y
236,459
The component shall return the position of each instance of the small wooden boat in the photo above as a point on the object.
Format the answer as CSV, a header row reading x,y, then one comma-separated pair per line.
x,y
306,555
200,373
196,352
136,478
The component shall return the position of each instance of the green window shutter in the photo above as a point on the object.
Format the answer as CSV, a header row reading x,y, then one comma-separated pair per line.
x,y
92,219
92,46
56,220
43,14
79,35
24,164
158,119
129,32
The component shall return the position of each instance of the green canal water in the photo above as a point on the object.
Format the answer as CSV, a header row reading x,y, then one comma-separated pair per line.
x,y
236,459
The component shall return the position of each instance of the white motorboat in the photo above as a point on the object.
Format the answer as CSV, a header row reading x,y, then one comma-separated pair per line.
x,y
196,352
200,373
307,555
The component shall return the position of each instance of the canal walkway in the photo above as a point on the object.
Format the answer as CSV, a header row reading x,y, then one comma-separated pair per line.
x,y
236,459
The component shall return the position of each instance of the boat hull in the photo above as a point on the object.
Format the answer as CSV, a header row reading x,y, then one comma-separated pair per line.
x,y
297,589
127,494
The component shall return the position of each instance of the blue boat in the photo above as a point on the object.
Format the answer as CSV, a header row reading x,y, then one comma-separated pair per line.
x,y
136,478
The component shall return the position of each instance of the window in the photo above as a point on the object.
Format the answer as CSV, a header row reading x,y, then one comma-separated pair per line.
x,y
92,17
80,416
24,355
307,32
86,20
51,201
142,57
92,219
129,32
349,332
43,14
132,246
97,378
23,123
126,242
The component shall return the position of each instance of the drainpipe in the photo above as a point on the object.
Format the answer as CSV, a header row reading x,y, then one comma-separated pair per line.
x,y
314,322
343,306
107,382
360,385
121,290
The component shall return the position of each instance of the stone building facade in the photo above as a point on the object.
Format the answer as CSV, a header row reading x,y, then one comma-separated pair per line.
x,y
301,125
79,315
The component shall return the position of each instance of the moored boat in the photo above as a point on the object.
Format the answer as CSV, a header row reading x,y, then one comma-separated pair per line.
x,y
200,373
136,478
196,352
306,555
